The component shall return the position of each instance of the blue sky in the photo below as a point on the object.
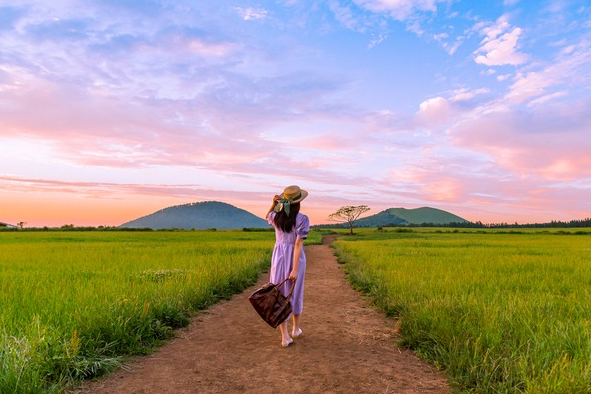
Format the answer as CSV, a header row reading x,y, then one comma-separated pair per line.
x,y
110,110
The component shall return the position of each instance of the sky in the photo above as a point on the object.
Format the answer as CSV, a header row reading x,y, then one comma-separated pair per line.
x,y
113,109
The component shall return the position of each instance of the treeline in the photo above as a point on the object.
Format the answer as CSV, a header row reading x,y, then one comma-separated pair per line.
x,y
71,227
552,224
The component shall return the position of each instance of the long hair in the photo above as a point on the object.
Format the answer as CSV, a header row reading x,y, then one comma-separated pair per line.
x,y
284,222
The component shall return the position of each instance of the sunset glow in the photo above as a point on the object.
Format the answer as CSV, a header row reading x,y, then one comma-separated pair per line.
x,y
114,110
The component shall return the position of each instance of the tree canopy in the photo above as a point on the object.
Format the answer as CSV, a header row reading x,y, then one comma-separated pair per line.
x,y
348,214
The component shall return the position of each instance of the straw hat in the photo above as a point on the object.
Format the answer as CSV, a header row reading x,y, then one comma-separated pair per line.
x,y
294,194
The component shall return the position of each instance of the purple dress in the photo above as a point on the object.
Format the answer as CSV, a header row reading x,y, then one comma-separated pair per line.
x,y
281,263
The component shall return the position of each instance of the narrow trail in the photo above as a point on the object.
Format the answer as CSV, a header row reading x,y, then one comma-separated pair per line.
x,y
347,347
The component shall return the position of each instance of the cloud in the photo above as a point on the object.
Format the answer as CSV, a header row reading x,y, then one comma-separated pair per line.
x,y
147,95
250,13
549,97
568,71
475,187
41,202
449,48
434,111
375,17
500,46
518,149
465,94
345,16
108,189
376,40
399,9
548,142
438,111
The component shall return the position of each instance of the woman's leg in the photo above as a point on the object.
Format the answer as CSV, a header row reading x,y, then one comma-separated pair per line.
x,y
296,331
285,338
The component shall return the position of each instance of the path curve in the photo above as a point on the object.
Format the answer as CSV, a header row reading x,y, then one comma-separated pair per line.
x,y
347,347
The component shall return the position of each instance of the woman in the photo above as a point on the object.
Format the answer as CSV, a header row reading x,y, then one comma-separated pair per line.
x,y
289,259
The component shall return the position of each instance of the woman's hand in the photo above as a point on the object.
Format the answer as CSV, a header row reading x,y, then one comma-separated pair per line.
x,y
293,275
273,204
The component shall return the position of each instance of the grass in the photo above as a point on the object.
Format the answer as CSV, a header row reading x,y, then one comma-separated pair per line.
x,y
73,304
500,311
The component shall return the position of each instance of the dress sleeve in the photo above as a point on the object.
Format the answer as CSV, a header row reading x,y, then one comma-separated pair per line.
x,y
303,227
270,218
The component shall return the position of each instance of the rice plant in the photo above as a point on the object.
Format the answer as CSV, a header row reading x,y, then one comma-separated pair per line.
x,y
501,312
72,305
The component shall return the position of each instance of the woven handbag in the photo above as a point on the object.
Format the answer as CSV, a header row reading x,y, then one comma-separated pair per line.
x,y
270,304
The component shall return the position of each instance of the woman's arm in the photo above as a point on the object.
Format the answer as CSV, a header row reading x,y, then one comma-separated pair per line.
x,y
297,254
275,200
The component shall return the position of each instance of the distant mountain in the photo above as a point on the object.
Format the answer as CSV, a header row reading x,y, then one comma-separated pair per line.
x,y
199,216
403,216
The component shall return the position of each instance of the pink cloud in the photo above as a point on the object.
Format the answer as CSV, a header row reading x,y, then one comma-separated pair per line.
x,y
41,202
500,46
550,144
328,142
438,112
530,85
105,131
569,69
464,94
478,190
434,111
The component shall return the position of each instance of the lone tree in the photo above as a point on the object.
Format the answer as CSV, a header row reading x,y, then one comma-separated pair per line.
x,y
348,214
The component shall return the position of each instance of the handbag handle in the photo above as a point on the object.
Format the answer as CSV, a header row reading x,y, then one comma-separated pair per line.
x,y
292,286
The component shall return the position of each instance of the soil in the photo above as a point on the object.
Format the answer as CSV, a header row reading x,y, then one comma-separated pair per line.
x,y
347,347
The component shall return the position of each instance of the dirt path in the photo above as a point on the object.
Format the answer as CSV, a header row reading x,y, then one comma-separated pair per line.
x,y
347,347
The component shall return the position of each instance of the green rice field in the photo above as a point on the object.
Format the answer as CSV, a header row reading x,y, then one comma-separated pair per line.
x,y
498,311
73,304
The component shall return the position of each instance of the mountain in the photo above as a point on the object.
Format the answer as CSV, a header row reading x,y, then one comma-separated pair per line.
x,y
199,216
403,216
6,225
